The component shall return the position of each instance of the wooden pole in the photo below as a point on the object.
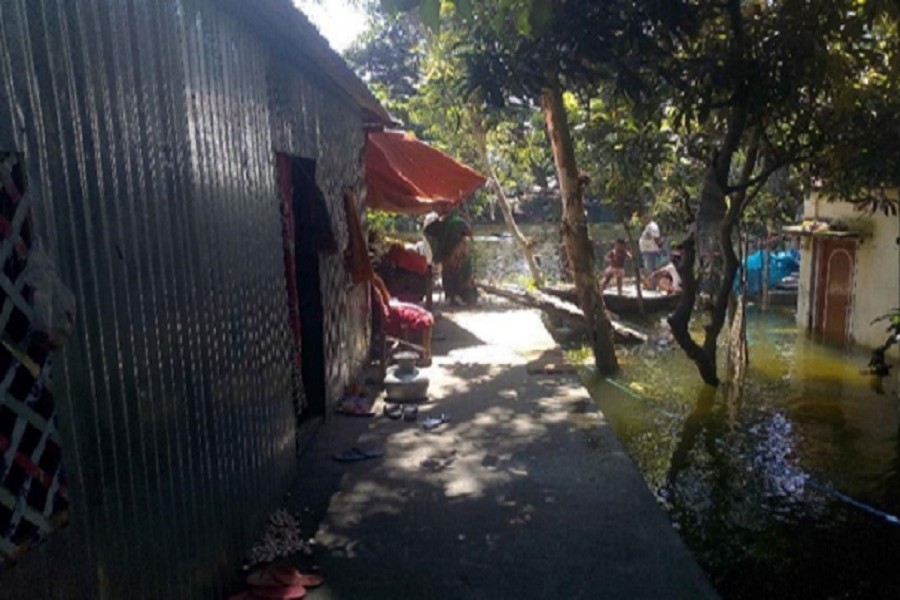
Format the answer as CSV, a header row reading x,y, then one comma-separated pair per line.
x,y
765,273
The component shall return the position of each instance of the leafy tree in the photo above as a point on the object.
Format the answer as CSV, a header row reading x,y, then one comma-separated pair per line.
x,y
429,92
770,83
522,50
749,89
389,57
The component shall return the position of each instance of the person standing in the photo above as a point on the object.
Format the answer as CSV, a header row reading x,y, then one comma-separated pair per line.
x,y
650,244
450,237
615,265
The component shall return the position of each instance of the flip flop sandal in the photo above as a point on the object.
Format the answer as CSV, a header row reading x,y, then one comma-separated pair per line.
x,y
281,575
277,593
357,454
410,413
433,422
310,580
393,411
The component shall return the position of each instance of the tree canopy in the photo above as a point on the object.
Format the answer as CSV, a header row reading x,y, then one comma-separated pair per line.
x,y
728,110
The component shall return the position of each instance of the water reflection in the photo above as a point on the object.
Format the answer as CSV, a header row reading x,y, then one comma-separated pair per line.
x,y
497,258
753,476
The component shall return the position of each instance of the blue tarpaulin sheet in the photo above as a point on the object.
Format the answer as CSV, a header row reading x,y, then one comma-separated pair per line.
x,y
781,264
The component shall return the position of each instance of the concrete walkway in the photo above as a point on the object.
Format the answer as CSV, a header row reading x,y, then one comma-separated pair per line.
x,y
525,494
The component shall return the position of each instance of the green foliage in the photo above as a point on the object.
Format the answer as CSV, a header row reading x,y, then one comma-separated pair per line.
x,y
389,58
420,76
724,110
430,14
660,85
397,6
385,223
819,87
580,355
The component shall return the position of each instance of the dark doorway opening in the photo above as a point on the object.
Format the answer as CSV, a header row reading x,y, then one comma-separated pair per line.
x,y
305,216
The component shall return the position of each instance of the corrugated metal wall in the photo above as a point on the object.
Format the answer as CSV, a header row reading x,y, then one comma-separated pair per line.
x,y
149,129
309,128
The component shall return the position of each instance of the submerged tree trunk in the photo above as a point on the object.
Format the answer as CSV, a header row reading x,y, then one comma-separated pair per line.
x,y
526,245
737,357
574,227
702,248
713,243
764,291
737,341
680,320
725,264
638,278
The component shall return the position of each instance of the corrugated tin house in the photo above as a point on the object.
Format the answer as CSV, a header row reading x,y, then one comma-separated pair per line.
x,y
156,152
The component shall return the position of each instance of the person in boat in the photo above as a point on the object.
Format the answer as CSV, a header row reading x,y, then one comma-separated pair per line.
x,y
615,265
449,237
666,279
650,244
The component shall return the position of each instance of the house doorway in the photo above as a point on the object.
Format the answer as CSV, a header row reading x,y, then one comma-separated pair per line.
x,y
836,261
305,219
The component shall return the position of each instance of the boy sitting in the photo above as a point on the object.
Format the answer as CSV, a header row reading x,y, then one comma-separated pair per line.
x,y
667,279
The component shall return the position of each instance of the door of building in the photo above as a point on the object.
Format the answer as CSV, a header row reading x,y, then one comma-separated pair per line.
x,y
304,222
836,265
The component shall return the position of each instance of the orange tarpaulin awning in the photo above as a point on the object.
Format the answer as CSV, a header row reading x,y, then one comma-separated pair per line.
x,y
405,175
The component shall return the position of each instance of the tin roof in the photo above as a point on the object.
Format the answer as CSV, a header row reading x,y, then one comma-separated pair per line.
x,y
280,23
819,229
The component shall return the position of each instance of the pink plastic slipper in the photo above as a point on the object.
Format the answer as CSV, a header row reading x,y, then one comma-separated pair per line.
x,y
282,575
288,592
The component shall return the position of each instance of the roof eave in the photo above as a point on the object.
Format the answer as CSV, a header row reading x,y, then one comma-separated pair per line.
x,y
279,18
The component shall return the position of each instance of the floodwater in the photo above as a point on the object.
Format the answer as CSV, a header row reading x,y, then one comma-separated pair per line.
x,y
789,489
498,260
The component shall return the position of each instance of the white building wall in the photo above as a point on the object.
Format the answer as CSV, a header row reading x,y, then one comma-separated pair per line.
x,y
877,282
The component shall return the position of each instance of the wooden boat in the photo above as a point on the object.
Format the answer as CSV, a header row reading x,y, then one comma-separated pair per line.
x,y
626,304
561,309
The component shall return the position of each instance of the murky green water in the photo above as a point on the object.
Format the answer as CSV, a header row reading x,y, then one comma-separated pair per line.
x,y
497,258
784,490
753,481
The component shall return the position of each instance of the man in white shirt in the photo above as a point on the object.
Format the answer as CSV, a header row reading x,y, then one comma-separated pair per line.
x,y
650,244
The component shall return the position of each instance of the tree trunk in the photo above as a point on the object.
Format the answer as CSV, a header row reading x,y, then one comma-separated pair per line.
x,y
574,227
680,320
638,279
764,292
726,243
713,243
736,357
737,341
525,245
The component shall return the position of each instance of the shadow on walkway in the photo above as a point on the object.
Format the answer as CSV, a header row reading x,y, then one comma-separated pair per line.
x,y
525,493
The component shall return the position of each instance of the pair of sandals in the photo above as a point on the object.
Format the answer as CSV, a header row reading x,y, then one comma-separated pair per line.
x,y
279,582
407,412
410,413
